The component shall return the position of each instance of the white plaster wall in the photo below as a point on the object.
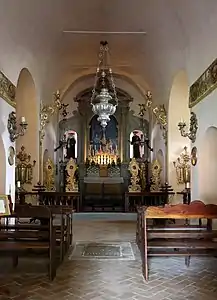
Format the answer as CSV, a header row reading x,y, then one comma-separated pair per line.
x,y
206,112
5,109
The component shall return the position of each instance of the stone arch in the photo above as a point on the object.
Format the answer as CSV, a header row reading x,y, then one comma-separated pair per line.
x,y
28,106
207,166
178,109
3,173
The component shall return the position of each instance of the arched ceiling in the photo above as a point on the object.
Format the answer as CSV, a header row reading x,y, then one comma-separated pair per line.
x,y
32,36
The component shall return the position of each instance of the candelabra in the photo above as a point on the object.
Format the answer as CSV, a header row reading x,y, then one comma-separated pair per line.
x,y
192,129
183,169
13,129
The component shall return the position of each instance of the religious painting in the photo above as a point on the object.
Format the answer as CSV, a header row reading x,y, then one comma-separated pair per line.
x,y
71,148
204,85
136,144
103,140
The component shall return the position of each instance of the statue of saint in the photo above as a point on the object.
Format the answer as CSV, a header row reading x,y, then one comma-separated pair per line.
x,y
136,141
70,146
96,143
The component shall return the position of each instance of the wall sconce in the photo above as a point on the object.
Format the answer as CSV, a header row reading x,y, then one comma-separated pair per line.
x,y
183,168
192,129
13,129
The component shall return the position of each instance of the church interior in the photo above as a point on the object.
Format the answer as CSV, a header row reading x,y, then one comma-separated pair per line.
x,y
108,150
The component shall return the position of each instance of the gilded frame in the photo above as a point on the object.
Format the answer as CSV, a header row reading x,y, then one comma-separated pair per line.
x,y
204,85
5,199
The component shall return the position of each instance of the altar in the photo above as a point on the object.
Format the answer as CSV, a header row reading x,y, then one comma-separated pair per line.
x,y
101,154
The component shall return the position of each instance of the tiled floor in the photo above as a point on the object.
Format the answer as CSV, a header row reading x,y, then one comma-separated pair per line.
x,y
112,279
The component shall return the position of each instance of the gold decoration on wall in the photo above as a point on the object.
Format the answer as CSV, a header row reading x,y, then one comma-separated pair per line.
x,y
49,176
24,168
204,85
7,90
194,156
156,170
134,171
71,185
183,168
159,112
143,176
47,111
11,156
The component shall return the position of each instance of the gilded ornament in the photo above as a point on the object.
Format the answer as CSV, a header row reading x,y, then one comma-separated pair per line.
x,y
71,184
134,171
49,176
7,90
204,85
183,167
159,112
24,167
156,170
47,111
194,156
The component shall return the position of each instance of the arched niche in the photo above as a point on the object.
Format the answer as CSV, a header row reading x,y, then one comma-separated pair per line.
x,y
207,166
3,161
140,134
178,109
160,157
27,106
71,150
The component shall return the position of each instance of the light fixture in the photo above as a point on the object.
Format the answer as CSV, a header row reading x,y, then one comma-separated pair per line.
x,y
13,129
192,129
104,97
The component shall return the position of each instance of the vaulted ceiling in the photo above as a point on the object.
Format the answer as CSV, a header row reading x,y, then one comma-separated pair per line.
x,y
31,34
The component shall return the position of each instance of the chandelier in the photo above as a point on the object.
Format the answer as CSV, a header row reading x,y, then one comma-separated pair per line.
x,y
104,97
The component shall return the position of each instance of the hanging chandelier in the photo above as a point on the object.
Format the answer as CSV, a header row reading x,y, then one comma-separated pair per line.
x,y
104,97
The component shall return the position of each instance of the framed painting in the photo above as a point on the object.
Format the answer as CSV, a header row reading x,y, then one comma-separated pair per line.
x,y
4,206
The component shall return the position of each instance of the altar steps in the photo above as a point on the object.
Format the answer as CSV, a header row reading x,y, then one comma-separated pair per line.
x,y
104,216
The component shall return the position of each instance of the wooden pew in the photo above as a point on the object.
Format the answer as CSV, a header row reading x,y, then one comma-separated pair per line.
x,y
180,239
17,240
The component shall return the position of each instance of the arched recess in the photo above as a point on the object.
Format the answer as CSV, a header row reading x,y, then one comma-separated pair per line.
x,y
160,157
27,106
207,167
3,174
178,109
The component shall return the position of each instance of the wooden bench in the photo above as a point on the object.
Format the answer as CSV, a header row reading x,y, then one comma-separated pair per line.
x,y
192,238
18,239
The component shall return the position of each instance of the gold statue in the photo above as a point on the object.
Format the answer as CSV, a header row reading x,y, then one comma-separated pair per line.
x,y
143,176
49,176
24,169
134,170
71,184
183,167
156,170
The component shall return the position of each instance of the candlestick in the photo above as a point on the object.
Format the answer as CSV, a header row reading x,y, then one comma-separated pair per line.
x,y
18,184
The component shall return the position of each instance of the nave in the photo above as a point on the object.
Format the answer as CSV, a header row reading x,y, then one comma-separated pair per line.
x,y
94,279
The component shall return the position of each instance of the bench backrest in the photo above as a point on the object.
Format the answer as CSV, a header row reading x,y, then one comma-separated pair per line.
x,y
195,210
30,211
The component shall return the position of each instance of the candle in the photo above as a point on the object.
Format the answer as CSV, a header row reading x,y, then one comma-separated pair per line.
x,y
18,184
188,185
23,120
